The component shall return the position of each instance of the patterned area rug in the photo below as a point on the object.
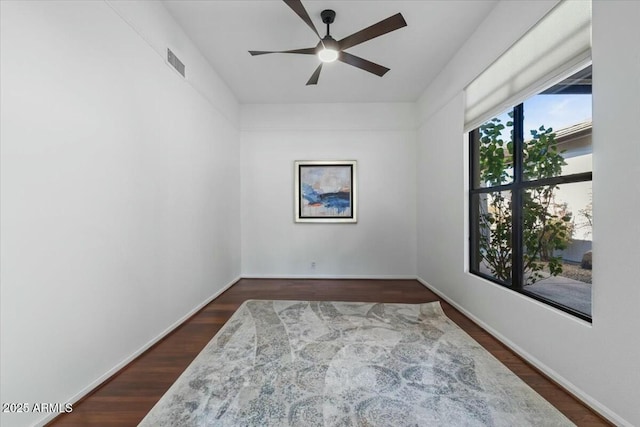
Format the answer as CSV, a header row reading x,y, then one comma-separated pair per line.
x,y
293,363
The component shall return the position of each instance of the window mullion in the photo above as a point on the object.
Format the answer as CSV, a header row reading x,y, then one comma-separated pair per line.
x,y
516,198
474,181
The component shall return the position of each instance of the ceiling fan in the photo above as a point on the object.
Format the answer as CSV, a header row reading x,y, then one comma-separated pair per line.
x,y
328,49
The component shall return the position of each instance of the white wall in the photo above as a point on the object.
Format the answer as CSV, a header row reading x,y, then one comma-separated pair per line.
x,y
119,191
598,362
381,137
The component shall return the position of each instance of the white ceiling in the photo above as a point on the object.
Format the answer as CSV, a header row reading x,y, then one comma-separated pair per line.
x,y
225,30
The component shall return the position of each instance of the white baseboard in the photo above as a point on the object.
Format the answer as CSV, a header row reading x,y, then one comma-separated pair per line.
x,y
559,379
88,389
327,276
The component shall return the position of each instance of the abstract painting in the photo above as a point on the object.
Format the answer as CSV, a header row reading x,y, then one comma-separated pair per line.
x,y
325,191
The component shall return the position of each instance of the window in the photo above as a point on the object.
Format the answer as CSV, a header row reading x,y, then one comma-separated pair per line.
x,y
530,197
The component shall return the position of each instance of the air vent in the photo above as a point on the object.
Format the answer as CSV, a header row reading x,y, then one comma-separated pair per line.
x,y
175,62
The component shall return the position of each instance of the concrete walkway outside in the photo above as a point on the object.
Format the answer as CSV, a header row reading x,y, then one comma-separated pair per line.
x,y
565,291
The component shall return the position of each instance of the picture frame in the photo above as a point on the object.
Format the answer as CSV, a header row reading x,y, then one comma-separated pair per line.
x,y
326,191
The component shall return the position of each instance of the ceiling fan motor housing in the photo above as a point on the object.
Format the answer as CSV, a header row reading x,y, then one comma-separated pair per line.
x,y
327,42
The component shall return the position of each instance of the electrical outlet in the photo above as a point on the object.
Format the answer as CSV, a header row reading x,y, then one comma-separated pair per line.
x,y
313,265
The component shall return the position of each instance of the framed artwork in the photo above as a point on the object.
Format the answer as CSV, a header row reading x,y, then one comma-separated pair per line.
x,y
325,191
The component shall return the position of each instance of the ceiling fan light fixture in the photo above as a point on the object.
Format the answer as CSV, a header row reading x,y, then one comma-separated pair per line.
x,y
327,55
328,50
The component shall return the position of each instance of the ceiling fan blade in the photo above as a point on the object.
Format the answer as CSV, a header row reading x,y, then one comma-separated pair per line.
x,y
306,51
363,64
299,9
385,26
314,77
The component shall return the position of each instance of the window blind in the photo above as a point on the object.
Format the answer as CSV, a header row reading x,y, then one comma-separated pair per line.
x,y
549,52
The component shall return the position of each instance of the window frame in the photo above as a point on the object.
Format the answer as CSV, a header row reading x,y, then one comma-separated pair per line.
x,y
516,188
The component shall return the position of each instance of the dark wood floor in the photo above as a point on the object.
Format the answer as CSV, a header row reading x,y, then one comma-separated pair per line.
x,y
124,399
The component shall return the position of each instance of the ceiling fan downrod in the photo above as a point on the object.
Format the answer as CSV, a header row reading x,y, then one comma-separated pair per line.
x,y
328,16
